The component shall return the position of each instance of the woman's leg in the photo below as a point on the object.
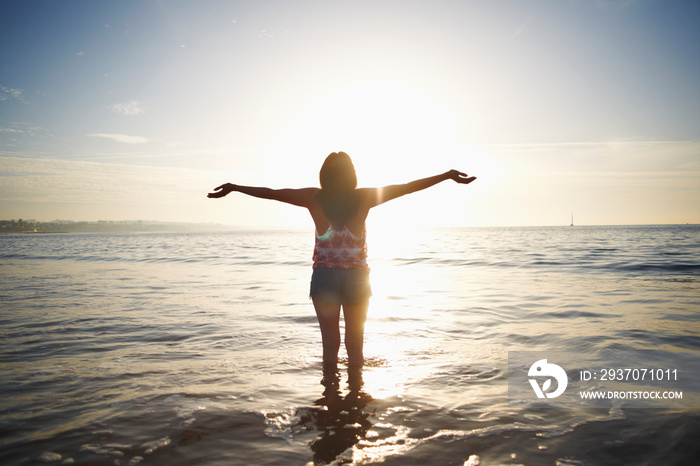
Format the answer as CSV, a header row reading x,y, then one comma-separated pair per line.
x,y
355,316
328,315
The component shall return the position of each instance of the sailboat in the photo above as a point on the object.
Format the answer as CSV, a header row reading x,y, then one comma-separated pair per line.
x,y
572,219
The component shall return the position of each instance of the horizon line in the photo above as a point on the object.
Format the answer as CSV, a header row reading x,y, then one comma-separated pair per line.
x,y
297,227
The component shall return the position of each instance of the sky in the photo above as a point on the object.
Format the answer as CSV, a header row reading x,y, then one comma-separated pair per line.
x,y
127,110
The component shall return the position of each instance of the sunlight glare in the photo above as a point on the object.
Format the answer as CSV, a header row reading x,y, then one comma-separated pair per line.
x,y
396,313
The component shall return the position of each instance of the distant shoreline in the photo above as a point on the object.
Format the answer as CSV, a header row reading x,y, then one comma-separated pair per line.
x,y
104,226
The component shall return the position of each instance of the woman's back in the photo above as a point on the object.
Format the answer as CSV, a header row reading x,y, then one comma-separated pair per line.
x,y
348,211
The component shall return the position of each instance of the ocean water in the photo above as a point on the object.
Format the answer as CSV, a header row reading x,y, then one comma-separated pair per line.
x,y
203,349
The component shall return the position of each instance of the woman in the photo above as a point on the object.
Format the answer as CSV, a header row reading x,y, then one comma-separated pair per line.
x,y
340,276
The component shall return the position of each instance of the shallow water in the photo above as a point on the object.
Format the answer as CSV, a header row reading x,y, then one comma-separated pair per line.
x,y
204,348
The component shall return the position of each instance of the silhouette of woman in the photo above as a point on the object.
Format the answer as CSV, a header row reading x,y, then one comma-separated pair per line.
x,y
340,278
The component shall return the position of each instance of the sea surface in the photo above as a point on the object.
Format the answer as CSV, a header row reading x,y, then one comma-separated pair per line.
x,y
203,348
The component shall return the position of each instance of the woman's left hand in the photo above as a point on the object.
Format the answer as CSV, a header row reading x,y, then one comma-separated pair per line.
x,y
221,191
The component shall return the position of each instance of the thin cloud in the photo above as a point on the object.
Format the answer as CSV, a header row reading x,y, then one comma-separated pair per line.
x,y
130,108
121,138
10,130
7,92
26,136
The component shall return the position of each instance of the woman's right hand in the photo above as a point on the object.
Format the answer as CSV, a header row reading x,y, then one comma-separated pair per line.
x,y
460,177
222,191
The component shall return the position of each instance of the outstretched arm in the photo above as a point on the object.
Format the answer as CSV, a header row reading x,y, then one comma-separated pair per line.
x,y
379,196
298,197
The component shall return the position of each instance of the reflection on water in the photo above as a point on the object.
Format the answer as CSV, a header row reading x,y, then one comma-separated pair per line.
x,y
332,426
339,418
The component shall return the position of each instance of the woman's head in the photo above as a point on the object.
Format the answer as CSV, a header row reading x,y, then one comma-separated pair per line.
x,y
338,173
338,183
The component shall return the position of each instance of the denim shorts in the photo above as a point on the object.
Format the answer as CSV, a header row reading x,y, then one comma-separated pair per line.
x,y
340,286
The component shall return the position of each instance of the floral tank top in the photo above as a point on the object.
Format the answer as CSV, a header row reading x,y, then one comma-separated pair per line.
x,y
340,249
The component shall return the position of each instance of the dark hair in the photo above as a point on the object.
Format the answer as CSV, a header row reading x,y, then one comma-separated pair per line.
x,y
338,182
